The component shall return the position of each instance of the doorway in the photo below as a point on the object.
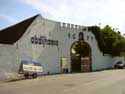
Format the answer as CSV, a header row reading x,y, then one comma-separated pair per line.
x,y
80,57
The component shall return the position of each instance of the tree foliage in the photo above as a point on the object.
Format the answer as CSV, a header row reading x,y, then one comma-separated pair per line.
x,y
109,41
98,35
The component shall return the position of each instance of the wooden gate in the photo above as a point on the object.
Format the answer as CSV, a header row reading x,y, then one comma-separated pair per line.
x,y
85,64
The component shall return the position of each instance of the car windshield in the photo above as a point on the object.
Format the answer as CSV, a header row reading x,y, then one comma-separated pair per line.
x,y
120,62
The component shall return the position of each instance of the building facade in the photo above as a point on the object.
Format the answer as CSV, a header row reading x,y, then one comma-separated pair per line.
x,y
51,44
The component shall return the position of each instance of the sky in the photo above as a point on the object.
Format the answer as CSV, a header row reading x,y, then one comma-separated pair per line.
x,y
80,12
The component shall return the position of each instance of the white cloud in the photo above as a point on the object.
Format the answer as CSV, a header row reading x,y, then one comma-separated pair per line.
x,y
8,18
84,12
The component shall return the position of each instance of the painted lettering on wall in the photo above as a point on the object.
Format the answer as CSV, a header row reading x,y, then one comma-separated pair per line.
x,y
42,40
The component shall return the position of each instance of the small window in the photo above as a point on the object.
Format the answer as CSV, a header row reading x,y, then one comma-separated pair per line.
x,y
81,36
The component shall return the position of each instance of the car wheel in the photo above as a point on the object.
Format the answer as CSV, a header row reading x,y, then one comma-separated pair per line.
x,y
34,75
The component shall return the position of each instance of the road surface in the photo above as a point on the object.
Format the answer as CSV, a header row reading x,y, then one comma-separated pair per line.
x,y
104,82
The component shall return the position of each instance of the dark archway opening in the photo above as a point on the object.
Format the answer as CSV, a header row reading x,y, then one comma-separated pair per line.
x,y
80,57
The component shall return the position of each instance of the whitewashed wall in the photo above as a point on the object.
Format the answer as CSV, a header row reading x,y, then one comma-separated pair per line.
x,y
8,62
98,60
49,56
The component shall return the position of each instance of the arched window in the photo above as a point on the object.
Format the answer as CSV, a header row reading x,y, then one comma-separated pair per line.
x,y
81,36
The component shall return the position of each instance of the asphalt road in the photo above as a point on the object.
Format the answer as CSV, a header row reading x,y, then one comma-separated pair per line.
x,y
104,82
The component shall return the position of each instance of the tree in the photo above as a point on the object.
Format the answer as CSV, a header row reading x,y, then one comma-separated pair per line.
x,y
99,37
114,41
109,41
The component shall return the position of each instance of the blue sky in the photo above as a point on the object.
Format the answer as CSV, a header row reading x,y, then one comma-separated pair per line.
x,y
81,12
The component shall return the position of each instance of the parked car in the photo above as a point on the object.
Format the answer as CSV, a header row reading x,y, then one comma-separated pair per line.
x,y
119,65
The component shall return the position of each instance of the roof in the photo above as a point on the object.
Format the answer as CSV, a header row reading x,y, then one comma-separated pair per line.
x,y
12,34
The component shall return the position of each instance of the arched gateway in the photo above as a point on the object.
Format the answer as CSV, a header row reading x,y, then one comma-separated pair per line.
x,y
80,55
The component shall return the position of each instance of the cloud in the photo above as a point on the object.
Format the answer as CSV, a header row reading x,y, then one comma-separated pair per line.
x,y
54,9
7,18
84,12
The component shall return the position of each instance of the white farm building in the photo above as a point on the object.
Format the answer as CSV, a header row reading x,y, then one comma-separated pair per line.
x,y
50,43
